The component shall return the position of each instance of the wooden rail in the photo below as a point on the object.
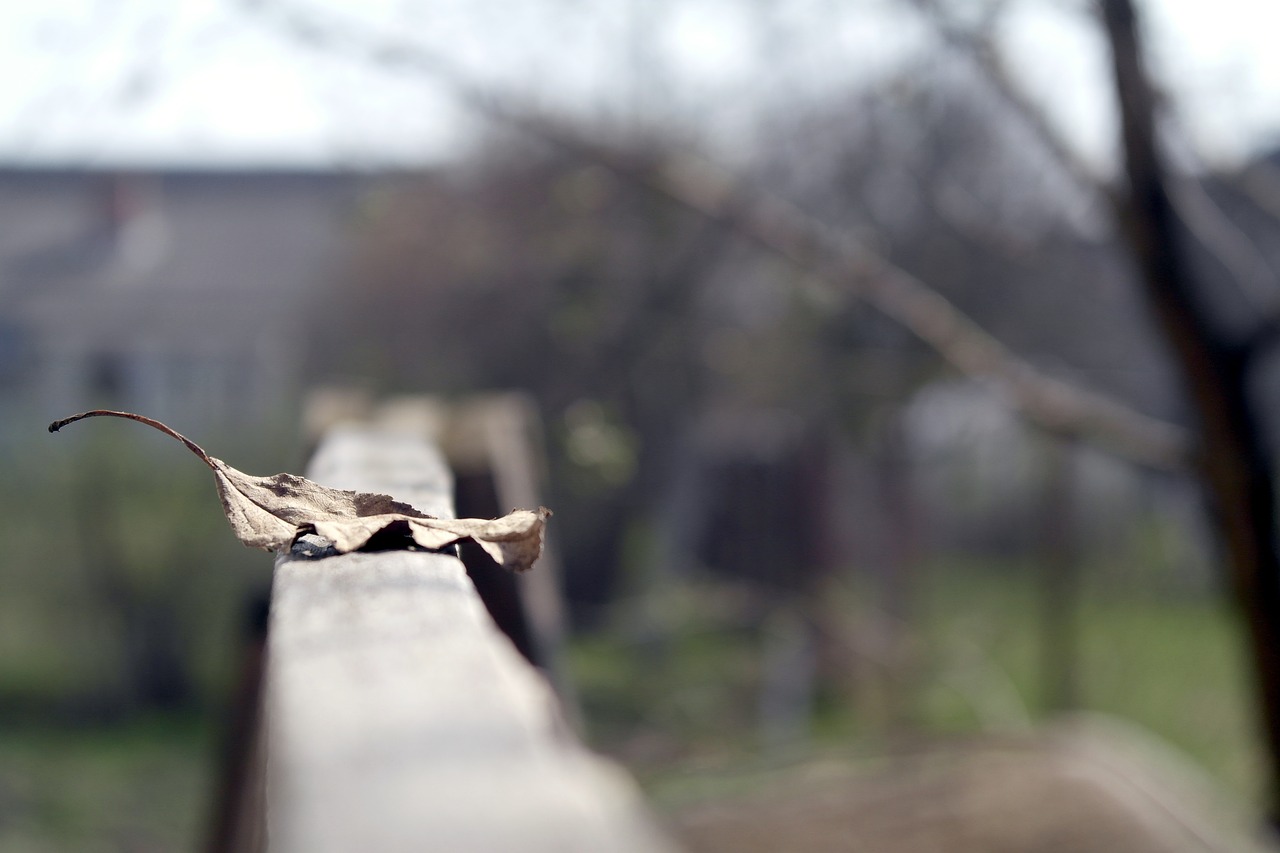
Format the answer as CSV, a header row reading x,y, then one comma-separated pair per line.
x,y
397,717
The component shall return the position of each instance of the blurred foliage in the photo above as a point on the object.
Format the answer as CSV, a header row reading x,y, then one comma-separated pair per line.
x,y
682,701
123,588
121,629
143,786
672,687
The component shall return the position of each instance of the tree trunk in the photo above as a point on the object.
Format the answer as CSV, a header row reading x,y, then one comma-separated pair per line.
x,y
1233,464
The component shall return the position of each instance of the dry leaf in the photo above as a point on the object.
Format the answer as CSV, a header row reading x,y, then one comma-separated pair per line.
x,y
271,512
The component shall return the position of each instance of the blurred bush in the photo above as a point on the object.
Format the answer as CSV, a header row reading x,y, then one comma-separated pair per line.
x,y
123,587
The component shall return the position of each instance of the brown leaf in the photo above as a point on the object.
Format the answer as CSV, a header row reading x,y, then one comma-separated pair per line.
x,y
271,512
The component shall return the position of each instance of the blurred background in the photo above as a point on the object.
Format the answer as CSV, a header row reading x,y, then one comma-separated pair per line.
x,y
791,528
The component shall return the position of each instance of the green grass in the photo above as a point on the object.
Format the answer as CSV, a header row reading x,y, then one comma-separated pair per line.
x,y
145,786
672,689
1177,668
1169,660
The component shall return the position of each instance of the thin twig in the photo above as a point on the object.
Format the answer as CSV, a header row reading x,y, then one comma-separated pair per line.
x,y
1212,229
809,244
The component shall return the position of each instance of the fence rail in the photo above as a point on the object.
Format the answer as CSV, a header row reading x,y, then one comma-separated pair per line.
x,y
397,716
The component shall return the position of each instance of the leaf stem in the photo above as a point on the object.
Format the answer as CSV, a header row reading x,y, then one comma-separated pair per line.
x,y
142,419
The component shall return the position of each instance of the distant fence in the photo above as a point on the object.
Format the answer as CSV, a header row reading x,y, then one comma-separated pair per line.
x,y
396,716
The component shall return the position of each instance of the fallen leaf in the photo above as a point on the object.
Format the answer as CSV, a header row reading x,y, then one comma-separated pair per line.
x,y
272,512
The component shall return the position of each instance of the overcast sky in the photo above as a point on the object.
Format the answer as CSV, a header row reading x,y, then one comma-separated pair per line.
x,y
210,82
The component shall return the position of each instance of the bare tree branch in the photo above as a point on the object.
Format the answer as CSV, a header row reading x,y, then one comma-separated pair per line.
x,y
1198,212
978,46
1230,246
1233,463
811,246
1261,182
1235,466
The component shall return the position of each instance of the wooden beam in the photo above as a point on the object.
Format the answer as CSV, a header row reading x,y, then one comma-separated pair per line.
x,y
399,718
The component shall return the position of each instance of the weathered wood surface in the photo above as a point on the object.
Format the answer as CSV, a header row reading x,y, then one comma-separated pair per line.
x,y
492,442
398,718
